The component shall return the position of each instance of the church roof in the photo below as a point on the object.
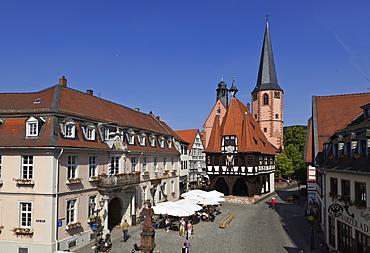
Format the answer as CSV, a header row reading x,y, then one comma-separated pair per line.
x,y
239,122
267,79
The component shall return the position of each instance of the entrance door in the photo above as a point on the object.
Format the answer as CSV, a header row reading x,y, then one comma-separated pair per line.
x,y
114,213
222,186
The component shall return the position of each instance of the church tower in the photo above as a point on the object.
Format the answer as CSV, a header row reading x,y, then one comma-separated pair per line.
x,y
267,96
222,93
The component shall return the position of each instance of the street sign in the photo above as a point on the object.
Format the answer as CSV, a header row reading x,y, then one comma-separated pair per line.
x,y
311,218
60,223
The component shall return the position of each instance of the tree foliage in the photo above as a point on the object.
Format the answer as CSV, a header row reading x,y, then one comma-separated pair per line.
x,y
290,161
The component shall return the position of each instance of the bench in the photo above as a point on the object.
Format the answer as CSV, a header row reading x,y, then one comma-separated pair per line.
x,y
225,222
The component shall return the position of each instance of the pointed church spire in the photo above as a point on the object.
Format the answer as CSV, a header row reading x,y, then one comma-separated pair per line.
x,y
267,79
233,90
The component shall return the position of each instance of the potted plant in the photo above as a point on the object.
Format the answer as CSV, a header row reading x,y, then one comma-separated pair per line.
x,y
166,171
23,181
74,180
94,178
290,199
146,172
174,171
22,231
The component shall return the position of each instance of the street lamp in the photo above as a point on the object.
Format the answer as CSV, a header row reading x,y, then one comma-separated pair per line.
x,y
101,244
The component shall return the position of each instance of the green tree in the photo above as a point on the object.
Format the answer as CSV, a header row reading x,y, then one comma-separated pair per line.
x,y
290,161
283,165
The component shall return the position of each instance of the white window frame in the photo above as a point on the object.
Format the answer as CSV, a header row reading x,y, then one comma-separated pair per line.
x,y
114,163
152,141
70,130
72,166
32,127
71,211
169,143
141,139
144,193
25,216
161,141
144,162
93,166
27,167
164,163
90,132
1,166
172,163
130,137
92,199
108,135
155,163
134,163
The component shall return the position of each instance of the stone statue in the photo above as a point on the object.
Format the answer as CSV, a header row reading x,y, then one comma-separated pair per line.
x,y
148,214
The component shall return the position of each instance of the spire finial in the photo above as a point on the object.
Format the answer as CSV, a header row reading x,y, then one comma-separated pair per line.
x,y
233,78
267,17
222,78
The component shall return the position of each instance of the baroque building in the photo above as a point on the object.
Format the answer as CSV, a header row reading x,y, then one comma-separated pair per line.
x,y
61,150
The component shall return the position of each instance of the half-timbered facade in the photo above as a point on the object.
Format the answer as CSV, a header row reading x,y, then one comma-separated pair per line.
x,y
240,160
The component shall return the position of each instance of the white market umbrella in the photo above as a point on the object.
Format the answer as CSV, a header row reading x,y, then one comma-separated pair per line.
x,y
211,201
192,193
180,211
190,204
162,208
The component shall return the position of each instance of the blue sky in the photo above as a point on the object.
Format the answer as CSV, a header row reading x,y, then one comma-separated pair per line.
x,y
167,56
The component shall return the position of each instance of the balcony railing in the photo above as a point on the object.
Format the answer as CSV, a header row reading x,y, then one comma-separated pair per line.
x,y
119,180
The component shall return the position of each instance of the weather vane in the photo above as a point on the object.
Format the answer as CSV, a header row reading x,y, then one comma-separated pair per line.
x,y
267,17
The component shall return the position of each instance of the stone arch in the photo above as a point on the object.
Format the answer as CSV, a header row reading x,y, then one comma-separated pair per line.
x,y
115,213
240,188
222,186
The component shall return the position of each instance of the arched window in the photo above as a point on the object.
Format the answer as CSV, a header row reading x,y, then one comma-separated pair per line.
x,y
265,99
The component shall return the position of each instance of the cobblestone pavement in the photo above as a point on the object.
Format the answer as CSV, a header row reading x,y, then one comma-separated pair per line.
x,y
255,228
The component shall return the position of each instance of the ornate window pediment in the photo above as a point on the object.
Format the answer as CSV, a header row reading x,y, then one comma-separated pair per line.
x,y
130,135
33,125
68,128
141,139
152,140
89,132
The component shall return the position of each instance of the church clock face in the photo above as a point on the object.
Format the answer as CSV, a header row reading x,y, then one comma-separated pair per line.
x,y
229,149
276,94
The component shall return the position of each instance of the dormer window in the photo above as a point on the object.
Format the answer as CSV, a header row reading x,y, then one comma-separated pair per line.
x,y
32,127
90,132
161,142
169,142
141,139
152,141
130,137
70,130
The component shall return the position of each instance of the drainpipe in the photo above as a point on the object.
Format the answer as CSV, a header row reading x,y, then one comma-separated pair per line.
x,y
57,198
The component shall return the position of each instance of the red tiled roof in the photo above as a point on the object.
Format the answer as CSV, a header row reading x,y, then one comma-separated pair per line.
x,y
331,113
239,122
214,143
71,103
188,135
13,132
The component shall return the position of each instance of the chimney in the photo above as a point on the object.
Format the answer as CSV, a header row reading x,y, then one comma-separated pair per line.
x,y
249,107
63,81
137,109
90,92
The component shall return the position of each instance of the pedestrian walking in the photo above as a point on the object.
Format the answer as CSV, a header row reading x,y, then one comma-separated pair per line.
x,y
184,249
190,228
272,204
124,227
182,227
188,244
168,224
